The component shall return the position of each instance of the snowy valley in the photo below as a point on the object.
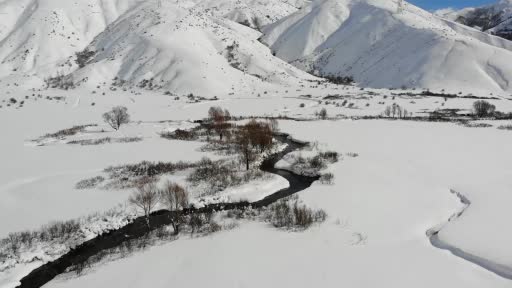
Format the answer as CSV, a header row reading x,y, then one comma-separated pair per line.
x,y
249,143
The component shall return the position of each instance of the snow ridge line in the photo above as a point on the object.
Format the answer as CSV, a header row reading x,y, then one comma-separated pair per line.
x,y
433,235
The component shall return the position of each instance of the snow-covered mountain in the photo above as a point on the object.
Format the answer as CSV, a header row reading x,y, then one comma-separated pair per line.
x,y
495,18
37,36
379,47
184,50
189,47
252,13
200,46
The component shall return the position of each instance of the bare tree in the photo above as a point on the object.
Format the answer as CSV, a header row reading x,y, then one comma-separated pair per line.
x,y
117,117
322,114
387,111
175,198
227,115
274,125
243,142
215,113
483,108
259,134
219,118
395,110
145,198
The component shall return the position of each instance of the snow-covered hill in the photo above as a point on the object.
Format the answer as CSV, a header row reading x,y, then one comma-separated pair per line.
x,y
495,18
379,47
199,46
252,13
183,50
189,47
39,36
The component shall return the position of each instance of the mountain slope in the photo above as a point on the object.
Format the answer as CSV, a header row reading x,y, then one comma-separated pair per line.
x,y
182,50
369,40
495,19
37,36
252,13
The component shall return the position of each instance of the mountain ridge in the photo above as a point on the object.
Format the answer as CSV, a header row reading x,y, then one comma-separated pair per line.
x,y
381,48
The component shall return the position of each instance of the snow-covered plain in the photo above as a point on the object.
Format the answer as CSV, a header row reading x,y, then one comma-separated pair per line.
x,y
380,208
383,202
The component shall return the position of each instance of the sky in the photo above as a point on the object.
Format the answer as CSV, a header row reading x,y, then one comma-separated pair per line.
x,y
439,4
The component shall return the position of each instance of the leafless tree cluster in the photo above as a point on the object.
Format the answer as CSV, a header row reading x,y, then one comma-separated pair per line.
x,y
289,213
322,114
219,120
175,198
327,178
311,166
248,140
55,232
483,108
396,111
68,132
215,176
146,199
172,196
117,117
252,138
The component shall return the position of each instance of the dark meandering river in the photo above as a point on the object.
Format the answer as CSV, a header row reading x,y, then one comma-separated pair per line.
x,y
138,228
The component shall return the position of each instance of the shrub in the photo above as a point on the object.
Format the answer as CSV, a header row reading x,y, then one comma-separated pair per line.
x,y
288,213
59,230
69,132
82,58
303,216
281,215
330,156
219,175
180,134
214,227
105,140
327,178
339,80
312,165
146,168
317,163
505,127
60,82
195,222
207,170
89,183
476,125
322,114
